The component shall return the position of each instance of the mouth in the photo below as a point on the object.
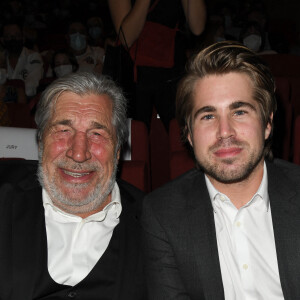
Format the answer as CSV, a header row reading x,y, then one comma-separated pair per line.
x,y
75,176
228,152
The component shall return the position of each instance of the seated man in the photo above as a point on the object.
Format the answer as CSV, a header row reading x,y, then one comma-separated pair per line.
x,y
20,62
75,231
229,229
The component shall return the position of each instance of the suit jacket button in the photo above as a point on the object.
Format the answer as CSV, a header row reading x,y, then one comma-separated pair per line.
x,y
72,295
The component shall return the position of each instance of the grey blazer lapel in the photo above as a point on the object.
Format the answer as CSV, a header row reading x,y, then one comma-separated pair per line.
x,y
285,208
203,242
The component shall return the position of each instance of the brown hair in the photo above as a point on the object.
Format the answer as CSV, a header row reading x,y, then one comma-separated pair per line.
x,y
222,58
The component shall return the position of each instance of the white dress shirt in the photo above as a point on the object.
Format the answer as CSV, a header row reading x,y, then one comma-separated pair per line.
x,y
246,246
74,244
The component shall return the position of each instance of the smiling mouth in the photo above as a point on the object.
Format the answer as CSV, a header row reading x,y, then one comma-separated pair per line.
x,y
75,174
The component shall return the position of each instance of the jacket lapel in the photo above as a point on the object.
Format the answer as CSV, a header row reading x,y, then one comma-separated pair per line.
x,y
285,209
29,241
203,242
130,274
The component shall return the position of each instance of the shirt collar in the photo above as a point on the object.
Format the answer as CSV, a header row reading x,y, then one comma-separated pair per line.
x,y
115,205
262,192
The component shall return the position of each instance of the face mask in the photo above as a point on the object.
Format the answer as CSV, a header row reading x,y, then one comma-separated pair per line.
x,y
63,70
253,42
95,32
14,45
78,41
2,75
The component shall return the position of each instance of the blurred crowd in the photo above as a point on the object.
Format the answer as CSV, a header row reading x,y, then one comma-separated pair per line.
x,y
45,39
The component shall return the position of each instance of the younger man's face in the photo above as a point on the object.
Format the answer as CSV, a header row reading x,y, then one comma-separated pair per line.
x,y
228,134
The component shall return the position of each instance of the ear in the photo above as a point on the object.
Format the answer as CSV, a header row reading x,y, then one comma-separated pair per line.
x,y
118,154
268,128
190,139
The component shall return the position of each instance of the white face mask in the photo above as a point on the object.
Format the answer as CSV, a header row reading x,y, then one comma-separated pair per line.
x,y
2,75
253,42
77,41
63,70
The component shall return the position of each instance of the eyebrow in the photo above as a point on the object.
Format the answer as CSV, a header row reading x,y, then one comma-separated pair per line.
x,y
240,104
232,106
204,109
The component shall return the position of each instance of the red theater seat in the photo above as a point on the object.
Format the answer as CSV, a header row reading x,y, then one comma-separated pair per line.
x,y
181,160
296,141
137,170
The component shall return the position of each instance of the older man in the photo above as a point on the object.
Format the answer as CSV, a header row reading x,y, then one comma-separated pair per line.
x,y
74,232
229,229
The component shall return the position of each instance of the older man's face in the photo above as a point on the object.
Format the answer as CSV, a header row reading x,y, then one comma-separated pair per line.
x,y
79,156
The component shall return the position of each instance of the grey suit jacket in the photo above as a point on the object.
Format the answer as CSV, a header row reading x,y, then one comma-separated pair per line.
x,y
181,251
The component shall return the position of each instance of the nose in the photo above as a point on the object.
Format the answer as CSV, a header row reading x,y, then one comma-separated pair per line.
x,y
225,128
79,148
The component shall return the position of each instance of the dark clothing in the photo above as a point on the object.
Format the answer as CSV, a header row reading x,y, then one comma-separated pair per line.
x,y
157,86
181,249
23,249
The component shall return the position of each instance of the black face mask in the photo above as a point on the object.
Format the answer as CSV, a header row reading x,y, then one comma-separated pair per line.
x,y
13,46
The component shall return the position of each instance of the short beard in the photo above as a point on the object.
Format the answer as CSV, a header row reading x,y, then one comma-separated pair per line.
x,y
234,176
94,199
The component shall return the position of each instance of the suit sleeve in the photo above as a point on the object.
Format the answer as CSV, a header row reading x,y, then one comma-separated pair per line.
x,y
162,273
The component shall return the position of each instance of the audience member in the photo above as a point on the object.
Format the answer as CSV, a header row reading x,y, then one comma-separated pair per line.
x,y
95,31
89,58
214,32
160,63
75,232
63,62
20,62
254,38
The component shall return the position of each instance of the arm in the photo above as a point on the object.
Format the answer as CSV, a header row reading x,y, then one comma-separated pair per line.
x,y
195,13
131,18
162,275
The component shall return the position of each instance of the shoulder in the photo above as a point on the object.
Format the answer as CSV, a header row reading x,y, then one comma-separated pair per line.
x,y
129,191
284,169
32,56
174,192
19,186
131,197
18,172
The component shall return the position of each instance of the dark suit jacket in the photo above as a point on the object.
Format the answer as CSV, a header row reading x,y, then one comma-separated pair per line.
x,y
181,251
22,225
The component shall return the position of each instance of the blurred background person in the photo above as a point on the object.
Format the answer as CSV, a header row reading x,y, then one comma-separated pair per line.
x,y
156,83
95,31
89,58
20,62
63,62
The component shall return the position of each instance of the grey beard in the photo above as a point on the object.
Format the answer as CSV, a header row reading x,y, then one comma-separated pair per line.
x,y
90,203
